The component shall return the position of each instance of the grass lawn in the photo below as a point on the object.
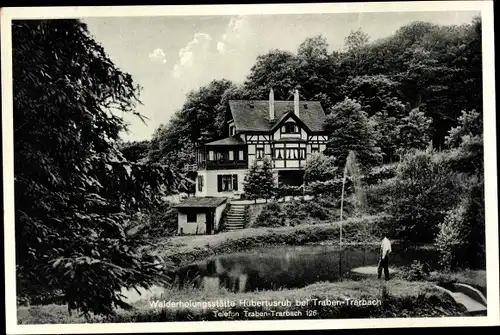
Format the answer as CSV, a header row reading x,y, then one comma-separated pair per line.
x,y
396,298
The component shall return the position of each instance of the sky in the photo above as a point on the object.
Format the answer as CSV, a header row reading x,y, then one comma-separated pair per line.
x,y
168,56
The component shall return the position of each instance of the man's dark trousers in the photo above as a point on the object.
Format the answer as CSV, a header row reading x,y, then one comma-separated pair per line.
x,y
384,264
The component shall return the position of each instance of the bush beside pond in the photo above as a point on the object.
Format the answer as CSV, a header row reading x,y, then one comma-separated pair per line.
x,y
297,212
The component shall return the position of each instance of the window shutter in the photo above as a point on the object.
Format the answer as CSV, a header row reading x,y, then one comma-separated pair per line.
x,y
219,183
235,182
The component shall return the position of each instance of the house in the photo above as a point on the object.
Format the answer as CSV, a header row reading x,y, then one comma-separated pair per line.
x,y
285,131
200,215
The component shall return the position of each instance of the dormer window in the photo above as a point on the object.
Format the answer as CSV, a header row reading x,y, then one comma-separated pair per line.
x,y
290,128
232,130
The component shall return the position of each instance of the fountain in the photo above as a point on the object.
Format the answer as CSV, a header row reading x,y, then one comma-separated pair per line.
x,y
352,168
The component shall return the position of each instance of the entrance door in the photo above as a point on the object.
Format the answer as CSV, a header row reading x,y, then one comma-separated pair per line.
x,y
210,222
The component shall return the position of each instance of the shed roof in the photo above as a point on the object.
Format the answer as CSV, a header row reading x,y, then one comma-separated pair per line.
x,y
201,202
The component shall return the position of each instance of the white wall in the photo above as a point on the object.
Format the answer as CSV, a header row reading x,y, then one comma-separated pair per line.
x,y
218,214
210,183
189,228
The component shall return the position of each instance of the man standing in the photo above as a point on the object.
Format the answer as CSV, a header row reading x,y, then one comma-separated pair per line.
x,y
385,250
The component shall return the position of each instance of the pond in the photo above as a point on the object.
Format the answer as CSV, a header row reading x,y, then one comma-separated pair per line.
x,y
277,267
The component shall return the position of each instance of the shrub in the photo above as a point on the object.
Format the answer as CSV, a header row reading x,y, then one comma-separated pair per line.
x,y
424,189
461,238
379,196
380,174
331,187
450,239
320,167
416,271
271,216
283,190
158,221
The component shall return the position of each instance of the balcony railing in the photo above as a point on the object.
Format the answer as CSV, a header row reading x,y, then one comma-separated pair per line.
x,y
222,165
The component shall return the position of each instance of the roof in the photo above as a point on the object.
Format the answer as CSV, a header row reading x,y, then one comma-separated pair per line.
x,y
247,118
201,202
232,140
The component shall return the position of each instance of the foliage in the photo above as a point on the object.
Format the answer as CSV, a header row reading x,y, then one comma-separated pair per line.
x,y
416,271
158,221
201,119
451,239
350,130
414,131
135,151
75,192
423,191
271,215
379,196
259,182
320,168
380,174
267,184
332,187
470,124
283,190
461,238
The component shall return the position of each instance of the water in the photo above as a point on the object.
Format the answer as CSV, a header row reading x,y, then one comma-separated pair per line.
x,y
289,266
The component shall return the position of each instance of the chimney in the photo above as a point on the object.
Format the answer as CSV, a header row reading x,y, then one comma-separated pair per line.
x,y
296,104
272,116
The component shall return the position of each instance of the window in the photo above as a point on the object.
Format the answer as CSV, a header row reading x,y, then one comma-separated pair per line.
x,y
227,182
290,128
200,183
278,153
292,153
240,155
210,155
191,217
231,130
302,153
260,153
314,149
221,156
231,155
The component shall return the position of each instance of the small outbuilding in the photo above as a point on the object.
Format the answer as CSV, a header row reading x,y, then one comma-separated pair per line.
x,y
200,215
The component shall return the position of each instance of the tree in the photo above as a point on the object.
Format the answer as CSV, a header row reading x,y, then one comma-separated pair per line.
x,y
414,131
386,124
470,123
356,43
201,119
268,182
373,93
259,182
75,192
252,181
350,130
320,167
135,151
317,71
424,190
275,69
